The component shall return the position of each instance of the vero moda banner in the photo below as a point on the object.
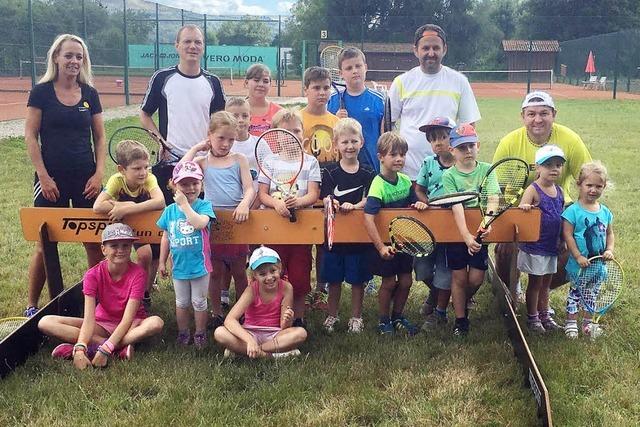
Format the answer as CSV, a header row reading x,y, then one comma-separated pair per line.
x,y
237,57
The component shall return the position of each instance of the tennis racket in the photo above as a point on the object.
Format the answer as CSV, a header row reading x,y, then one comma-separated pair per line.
x,y
321,144
158,149
280,158
599,284
410,236
451,199
387,113
9,325
329,60
329,221
500,189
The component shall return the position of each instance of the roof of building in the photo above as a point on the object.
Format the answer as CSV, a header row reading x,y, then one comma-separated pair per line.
x,y
536,45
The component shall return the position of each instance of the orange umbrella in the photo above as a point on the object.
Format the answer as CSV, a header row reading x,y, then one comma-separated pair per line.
x,y
591,64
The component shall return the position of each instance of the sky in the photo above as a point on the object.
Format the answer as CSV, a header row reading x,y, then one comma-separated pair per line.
x,y
232,7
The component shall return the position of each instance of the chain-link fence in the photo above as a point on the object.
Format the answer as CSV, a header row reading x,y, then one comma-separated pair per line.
x,y
127,48
616,60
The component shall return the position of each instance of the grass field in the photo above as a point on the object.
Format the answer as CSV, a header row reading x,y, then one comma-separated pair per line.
x,y
343,379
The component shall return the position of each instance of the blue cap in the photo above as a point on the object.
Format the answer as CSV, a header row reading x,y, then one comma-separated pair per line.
x,y
547,152
263,255
438,122
462,134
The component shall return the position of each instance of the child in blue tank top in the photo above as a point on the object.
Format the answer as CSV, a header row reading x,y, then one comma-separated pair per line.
x,y
540,259
227,185
587,228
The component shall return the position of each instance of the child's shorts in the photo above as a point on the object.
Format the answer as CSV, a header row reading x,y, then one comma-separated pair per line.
x,y
345,265
296,263
401,263
111,326
228,253
433,269
538,265
458,257
262,334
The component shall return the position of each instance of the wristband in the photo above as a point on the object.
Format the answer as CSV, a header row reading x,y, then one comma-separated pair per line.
x,y
79,347
104,351
109,346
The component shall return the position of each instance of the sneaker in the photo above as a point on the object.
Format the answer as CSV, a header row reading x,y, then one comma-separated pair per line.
x,y
401,324
146,301
471,303
329,323
426,309
371,288
550,324
215,321
30,311
63,351
592,330
356,325
228,354
291,353
536,327
385,328
126,353
184,337
200,340
461,328
571,330
224,299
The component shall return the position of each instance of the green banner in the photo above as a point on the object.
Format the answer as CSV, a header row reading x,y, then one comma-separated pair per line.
x,y
237,57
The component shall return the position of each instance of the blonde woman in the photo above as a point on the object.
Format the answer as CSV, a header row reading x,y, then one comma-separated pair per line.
x,y
65,138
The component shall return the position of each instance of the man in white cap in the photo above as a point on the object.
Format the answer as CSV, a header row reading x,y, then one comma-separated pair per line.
x,y
539,128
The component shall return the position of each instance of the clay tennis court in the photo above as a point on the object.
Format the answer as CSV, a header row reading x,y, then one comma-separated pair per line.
x,y
14,92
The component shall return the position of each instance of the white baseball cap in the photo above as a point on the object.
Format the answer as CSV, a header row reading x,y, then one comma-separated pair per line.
x,y
538,99
263,255
548,151
118,231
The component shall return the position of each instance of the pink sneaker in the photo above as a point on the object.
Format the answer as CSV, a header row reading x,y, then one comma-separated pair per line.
x,y
126,353
63,351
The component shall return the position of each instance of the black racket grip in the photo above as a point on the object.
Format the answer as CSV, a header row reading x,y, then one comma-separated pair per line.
x,y
292,215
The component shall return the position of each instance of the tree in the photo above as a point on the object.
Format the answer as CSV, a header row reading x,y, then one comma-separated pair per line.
x,y
246,32
572,19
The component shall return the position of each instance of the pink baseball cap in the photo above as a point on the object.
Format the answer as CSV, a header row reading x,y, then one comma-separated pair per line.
x,y
187,169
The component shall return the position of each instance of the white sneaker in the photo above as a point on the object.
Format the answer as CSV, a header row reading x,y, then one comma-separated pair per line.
x,y
371,288
329,323
356,325
291,353
571,330
592,330
228,354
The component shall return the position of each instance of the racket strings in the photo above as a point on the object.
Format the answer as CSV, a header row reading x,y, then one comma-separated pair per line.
x,y
452,199
7,326
280,156
411,237
329,60
142,136
600,284
503,187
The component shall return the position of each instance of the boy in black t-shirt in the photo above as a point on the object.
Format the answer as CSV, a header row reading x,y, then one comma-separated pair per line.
x,y
348,182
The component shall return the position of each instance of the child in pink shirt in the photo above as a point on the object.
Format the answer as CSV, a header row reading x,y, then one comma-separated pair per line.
x,y
266,306
114,318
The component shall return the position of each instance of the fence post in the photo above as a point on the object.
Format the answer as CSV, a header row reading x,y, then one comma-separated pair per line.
x,y
33,45
157,43
529,66
126,53
279,65
205,41
617,64
303,63
84,23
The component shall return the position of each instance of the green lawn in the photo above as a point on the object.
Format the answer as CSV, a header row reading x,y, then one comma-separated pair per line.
x,y
345,379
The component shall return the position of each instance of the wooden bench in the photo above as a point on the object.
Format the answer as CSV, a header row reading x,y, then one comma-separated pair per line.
x,y
52,225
